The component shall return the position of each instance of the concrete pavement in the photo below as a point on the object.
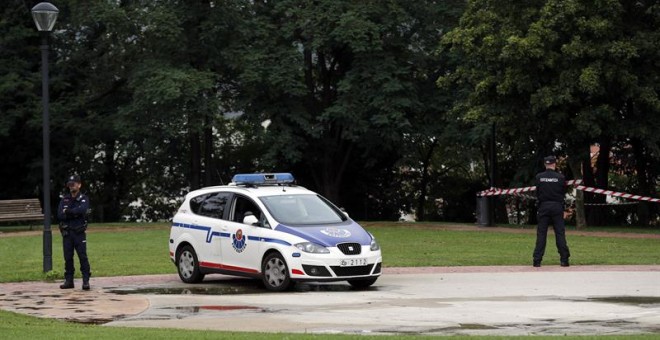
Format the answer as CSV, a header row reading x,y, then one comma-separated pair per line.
x,y
512,300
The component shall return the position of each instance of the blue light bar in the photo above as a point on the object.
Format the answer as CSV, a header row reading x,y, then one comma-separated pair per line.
x,y
255,179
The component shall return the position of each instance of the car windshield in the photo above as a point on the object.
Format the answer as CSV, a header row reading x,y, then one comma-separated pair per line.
x,y
302,209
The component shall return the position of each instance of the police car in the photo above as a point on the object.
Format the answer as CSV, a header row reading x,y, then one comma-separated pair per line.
x,y
264,226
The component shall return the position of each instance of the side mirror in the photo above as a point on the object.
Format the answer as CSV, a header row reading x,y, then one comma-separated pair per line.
x,y
250,219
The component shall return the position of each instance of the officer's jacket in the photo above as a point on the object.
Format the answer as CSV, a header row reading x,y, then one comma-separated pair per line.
x,y
76,211
550,186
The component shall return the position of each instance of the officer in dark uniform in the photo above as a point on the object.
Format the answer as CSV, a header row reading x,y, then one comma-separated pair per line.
x,y
72,213
550,191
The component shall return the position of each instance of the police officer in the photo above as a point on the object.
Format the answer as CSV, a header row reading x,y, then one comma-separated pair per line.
x,y
550,191
72,213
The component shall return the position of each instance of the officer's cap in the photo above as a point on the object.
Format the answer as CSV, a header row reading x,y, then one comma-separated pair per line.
x,y
550,160
72,179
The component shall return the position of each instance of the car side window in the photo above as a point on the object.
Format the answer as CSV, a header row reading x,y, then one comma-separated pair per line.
x,y
243,206
210,205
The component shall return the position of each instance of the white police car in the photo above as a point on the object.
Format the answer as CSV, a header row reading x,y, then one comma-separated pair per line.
x,y
264,226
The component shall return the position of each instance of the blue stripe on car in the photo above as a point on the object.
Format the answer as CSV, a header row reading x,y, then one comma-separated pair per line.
x,y
209,234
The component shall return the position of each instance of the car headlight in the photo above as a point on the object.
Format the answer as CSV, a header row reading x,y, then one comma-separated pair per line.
x,y
310,247
374,245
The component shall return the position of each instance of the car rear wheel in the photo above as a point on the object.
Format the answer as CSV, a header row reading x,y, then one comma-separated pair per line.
x,y
275,273
188,265
362,283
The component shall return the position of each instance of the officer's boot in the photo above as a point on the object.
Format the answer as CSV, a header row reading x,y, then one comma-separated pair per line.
x,y
85,285
68,284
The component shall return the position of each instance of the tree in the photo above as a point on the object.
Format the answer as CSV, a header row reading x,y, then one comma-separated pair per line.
x,y
338,80
20,110
554,72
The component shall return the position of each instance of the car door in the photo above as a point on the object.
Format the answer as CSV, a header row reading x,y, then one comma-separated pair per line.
x,y
208,226
241,251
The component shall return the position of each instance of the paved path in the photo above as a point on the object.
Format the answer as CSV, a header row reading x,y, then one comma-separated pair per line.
x,y
506,300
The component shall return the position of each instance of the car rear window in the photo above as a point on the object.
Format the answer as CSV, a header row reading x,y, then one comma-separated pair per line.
x,y
210,205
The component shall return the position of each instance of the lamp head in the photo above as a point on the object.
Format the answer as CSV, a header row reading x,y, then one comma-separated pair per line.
x,y
44,15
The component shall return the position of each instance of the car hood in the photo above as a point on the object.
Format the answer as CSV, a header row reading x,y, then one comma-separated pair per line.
x,y
329,235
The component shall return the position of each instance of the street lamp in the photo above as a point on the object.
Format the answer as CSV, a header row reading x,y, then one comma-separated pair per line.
x,y
45,15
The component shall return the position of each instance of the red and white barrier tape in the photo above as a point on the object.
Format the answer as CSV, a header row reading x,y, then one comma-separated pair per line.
x,y
577,182
617,194
609,204
496,191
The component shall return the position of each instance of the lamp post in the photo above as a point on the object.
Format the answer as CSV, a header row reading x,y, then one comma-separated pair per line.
x,y
45,15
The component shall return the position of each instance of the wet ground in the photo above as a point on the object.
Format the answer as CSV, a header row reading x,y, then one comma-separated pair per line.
x,y
433,300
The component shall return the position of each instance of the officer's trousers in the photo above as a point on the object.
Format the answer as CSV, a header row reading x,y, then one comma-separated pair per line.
x,y
78,242
551,212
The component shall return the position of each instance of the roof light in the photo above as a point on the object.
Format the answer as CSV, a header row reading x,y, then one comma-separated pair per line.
x,y
255,179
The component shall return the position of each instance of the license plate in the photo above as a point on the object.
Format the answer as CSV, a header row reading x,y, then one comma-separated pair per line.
x,y
353,262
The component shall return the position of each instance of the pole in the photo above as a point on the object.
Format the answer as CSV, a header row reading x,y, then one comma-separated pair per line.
x,y
493,173
48,237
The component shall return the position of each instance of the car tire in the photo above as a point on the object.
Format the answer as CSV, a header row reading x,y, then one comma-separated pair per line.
x,y
188,266
362,283
275,273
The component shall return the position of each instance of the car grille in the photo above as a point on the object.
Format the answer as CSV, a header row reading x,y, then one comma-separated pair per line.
x,y
350,248
352,271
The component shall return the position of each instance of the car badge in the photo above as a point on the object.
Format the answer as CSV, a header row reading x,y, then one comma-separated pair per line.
x,y
336,232
238,241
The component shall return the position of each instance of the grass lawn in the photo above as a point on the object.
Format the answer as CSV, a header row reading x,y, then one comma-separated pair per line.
x,y
132,249
136,249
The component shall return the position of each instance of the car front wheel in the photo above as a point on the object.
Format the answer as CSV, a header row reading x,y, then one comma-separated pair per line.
x,y
188,265
275,273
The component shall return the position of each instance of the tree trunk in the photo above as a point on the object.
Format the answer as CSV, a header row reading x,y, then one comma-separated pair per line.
x,y
195,160
601,212
424,182
209,164
588,180
108,208
643,213
580,218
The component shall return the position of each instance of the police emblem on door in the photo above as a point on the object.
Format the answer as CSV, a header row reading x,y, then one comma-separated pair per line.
x,y
238,241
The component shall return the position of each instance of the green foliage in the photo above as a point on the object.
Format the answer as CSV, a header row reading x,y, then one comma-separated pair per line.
x,y
556,76
53,275
141,92
19,100
330,104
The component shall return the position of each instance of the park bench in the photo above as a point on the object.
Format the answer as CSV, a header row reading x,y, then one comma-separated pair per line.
x,y
21,210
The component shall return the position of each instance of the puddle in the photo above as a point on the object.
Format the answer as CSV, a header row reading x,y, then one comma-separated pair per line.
x,y
89,321
607,323
317,287
197,309
221,289
461,328
628,300
469,326
206,290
